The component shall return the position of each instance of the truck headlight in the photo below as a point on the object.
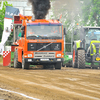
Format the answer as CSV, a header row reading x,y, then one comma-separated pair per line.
x,y
29,55
58,55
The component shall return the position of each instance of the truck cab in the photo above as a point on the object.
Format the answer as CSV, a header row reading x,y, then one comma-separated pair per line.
x,y
42,43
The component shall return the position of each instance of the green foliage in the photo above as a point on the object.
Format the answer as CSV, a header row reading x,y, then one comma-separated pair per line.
x,y
0,4
2,15
91,12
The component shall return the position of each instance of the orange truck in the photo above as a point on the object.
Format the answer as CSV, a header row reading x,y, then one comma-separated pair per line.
x,y
41,42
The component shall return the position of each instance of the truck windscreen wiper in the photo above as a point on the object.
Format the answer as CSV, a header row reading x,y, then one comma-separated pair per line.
x,y
44,46
32,37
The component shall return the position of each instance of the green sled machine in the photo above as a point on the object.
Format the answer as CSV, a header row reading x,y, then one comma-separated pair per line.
x,y
86,47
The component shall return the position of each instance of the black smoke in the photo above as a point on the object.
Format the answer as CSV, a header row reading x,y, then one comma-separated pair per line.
x,y
40,8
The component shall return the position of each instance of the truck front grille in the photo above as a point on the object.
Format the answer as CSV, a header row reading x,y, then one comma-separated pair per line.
x,y
44,46
44,54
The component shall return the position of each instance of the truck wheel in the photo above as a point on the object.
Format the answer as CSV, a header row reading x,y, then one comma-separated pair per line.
x,y
17,64
58,65
81,59
74,60
24,64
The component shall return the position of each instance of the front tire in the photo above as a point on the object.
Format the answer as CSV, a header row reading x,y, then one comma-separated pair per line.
x,y
81,59
17,64
25,65
58,65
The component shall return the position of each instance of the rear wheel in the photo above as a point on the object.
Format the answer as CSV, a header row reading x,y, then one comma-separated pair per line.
x,y
17,64
25,65
81,59
58,65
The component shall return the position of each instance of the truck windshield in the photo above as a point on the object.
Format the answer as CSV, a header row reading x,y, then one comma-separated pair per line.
x,y
44,32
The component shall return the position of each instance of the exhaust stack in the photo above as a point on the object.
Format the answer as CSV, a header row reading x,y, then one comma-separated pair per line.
x,y
40,8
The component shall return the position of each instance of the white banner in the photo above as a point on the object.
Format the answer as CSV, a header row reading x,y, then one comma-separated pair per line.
x,y
6,33
10,11
7,30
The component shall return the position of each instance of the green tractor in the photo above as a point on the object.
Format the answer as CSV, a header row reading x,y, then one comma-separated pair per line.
x,y
86,47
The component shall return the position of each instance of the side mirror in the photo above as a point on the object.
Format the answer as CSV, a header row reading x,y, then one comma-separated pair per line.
x,y
22,34
65,31
23,27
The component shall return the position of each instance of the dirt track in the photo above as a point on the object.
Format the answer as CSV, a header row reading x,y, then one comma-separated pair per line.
x,y
64,84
